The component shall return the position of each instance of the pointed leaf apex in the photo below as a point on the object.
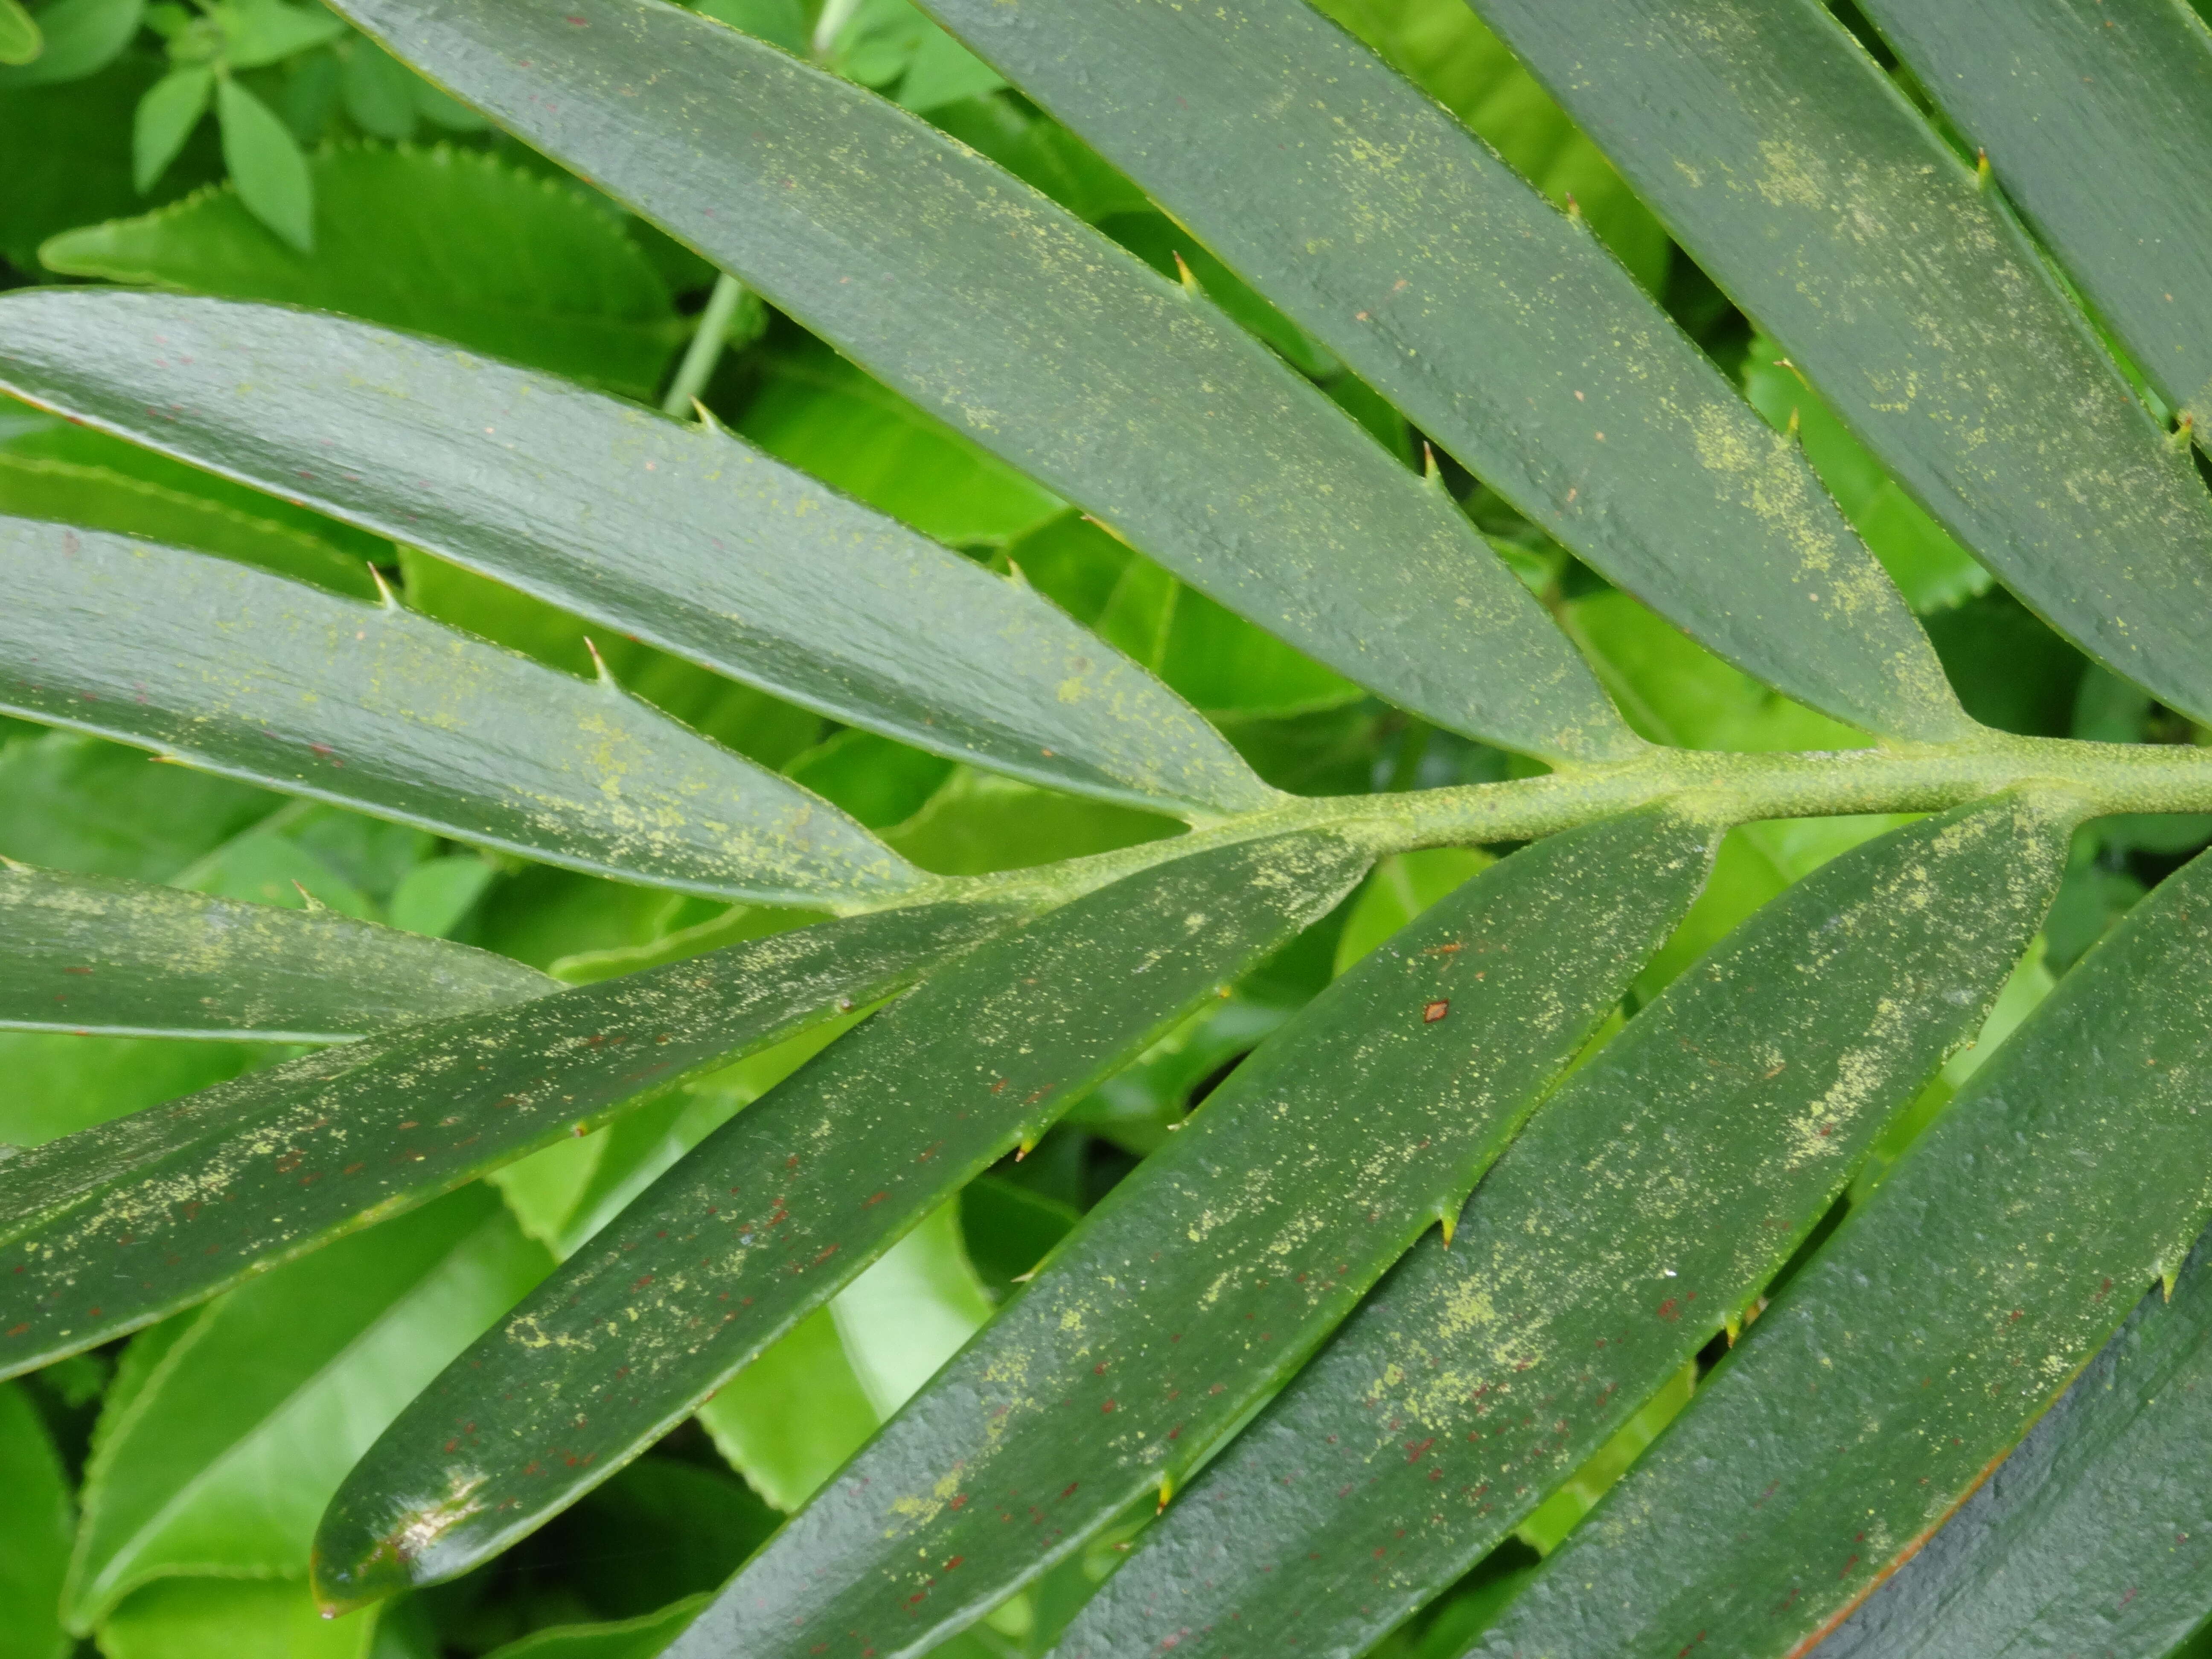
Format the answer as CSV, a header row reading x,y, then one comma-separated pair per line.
x,y
1574,207
1448,1223
708,419
1028,1145
1167,1490
384,593
1431,472
1982,174
1734,1328
606,677
1190,285
308,898
1016,574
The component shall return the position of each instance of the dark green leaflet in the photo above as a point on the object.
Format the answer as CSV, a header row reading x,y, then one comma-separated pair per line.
x,y
1046,344
242,673
1797,173
2095,1536
1936,1324
117,1225
783,1206
87,953
1505,330
1647,1203
2096,118
681,535
1210,1274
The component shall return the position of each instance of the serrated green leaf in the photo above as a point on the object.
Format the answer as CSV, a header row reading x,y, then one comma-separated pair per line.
x,y
167,118
1647,1202
797,1194
247,675
2091,1534
86,953
95,498
229,1619
1932,1329
222,1456
1201,1281
1161,417
2092,120
82,37
37,1519
314,1149
455,243
1796,171
737,562
266,166
19,38
1502,328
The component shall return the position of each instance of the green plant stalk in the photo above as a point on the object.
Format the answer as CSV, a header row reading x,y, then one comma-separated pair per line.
x,y
1724,788
705,348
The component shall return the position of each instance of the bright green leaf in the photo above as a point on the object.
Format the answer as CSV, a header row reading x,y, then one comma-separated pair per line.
x,y
19,38
629,1638
228,1619
82,37
379,94
454,243
226,1452
37,1519
791,1417
259,32
266,166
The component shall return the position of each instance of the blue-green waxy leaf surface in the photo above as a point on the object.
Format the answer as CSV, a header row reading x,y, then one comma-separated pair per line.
x,y
2096,119
1941,1319
1504,328
1205,1276
89,953
783,1206
240,672
1043,341
116,1225
1646,1204
1798,175
2095,1536
682,535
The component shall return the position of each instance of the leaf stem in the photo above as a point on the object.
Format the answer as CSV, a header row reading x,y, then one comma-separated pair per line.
x,y
1728,788
705,348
